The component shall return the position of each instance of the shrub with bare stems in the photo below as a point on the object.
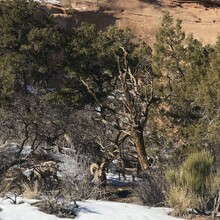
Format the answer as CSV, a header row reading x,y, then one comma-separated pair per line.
x,y
45,172
150,190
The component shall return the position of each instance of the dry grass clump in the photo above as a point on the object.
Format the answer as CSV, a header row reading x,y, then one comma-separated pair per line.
x,y
193,184
5,186
31,192
180,200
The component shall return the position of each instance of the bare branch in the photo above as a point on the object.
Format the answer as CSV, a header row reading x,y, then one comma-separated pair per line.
x,y
90,91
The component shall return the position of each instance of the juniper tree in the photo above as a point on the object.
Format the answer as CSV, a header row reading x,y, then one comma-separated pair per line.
x,y
29,44
112,70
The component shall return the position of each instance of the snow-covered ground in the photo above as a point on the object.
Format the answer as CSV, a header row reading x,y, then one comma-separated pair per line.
x,y
103,210
23,212
113,180
89,210
49,1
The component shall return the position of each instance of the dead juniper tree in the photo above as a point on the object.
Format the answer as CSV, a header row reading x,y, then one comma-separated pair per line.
x,y
114,76
128,107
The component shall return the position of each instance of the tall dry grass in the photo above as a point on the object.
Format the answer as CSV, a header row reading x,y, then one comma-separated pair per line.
x,y
31,192
179,199
193,184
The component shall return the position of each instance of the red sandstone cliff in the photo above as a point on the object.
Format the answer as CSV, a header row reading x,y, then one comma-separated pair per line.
x,y
143,17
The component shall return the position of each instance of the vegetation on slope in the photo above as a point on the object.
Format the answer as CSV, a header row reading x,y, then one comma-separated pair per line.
x,y
106,94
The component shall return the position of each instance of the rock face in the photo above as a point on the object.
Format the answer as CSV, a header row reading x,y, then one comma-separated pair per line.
x,y
211,2
88,5
143,17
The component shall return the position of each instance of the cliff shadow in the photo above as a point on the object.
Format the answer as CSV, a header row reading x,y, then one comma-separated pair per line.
x,y
101,19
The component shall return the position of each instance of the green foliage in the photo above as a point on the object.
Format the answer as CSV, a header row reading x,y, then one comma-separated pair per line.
x,y
6,79
210,95
168,48
179,85
195,180
197,96
196,59
196,173
28,42
192,84
183,60
91,58
17,19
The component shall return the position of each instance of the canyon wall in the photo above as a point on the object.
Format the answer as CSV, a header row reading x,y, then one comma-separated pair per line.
x,y
144,17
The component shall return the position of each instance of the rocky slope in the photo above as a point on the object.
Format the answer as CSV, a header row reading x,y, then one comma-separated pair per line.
x,y
143,17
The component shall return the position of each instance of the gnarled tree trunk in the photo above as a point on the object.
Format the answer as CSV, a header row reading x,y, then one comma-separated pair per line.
x,y
138,140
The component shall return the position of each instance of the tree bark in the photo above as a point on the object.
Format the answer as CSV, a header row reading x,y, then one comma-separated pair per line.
x,y
132,104
138,140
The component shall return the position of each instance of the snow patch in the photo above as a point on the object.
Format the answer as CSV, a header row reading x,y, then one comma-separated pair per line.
x,y
89,210
24,211
49,1
99,210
